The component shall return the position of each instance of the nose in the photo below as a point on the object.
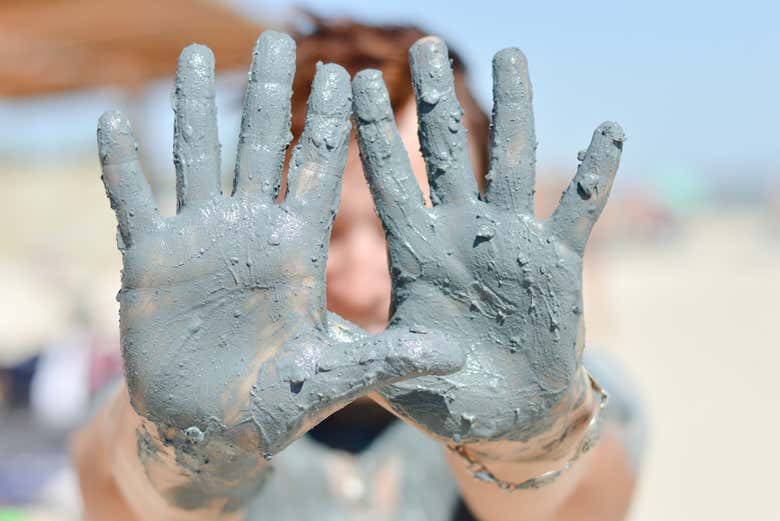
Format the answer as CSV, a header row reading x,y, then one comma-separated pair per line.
x,y
358,283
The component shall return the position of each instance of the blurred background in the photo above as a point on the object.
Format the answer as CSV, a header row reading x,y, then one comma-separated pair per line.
x,y
682,280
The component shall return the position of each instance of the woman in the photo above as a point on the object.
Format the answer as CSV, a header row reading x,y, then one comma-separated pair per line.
x,y
230,355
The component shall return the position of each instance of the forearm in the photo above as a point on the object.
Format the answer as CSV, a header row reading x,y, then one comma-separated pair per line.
x,y
516,462
126,468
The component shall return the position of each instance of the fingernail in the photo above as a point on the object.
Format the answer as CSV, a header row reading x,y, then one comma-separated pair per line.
x,y
431,69
116,142
510,74
273,58
613,131
371,99
195,72
330,93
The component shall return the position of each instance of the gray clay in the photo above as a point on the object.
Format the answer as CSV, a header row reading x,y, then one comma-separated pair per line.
x,y
483,272
229,351
224,331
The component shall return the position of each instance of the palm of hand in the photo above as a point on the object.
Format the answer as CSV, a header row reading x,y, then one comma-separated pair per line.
x,y
482,270
224,329
220,302
510,294
229,276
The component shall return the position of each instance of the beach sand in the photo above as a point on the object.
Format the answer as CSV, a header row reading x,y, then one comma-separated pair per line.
x,y
695,319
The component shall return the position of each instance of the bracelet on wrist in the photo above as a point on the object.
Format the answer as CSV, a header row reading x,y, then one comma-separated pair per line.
x,y
589,440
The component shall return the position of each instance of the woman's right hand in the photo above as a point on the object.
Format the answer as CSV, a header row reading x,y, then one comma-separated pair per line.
x,y
224,330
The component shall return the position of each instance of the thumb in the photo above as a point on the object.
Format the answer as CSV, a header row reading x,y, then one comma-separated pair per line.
x,y
314,379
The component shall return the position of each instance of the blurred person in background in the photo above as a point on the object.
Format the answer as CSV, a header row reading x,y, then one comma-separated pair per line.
x,y
360,462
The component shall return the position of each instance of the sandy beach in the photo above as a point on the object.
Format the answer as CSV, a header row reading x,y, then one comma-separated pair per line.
x,y
694,317
691,312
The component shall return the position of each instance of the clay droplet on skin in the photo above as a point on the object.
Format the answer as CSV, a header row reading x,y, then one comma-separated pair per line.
x,y
522,259
296,386
431,96
454,125
195,325
486,233
194,435
587,186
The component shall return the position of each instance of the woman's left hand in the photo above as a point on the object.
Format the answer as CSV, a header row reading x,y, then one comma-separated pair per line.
x,y
483,271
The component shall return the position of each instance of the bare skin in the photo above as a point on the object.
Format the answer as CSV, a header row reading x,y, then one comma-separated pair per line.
x,y
264,344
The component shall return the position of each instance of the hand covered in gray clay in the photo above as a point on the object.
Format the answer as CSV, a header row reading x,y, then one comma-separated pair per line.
x,y
224,329
483,271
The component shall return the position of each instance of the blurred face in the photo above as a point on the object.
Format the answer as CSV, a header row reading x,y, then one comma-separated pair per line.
x,y
358,281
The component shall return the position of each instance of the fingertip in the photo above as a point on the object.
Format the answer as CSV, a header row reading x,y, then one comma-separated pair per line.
x,y
273,57
195,71
453,359
430,50
371,99
613,131
116,142
511,58
331,94
196,55
431,71
431,352
114,121
368,79
271,39
510,76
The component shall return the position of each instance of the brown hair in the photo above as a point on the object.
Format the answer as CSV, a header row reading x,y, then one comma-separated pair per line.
x,y
356,46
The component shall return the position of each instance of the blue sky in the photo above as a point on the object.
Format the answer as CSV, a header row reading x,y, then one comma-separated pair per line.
x,y
695,85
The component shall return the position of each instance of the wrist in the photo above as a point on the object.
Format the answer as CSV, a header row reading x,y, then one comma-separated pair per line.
x,y
572,430
176,481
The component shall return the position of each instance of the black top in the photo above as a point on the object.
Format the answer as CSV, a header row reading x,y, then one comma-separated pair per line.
x,y
355,427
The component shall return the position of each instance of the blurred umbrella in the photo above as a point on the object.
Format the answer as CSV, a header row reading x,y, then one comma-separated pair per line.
x,y
49,46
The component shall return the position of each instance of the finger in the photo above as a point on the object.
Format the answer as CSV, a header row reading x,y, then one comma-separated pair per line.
x,y
586,196
311,383
195,142
398,198
443,138
318,159
510,181
265,125
127,189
